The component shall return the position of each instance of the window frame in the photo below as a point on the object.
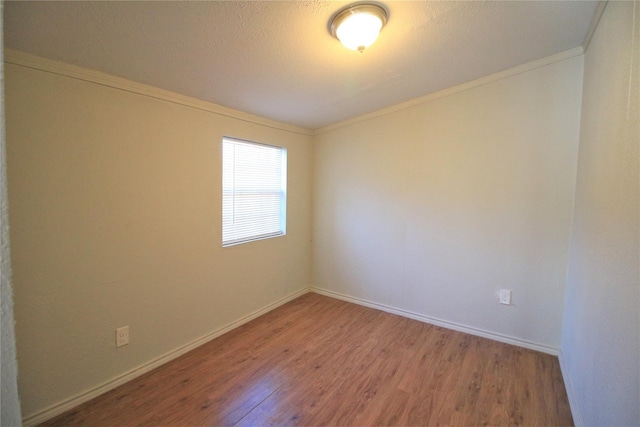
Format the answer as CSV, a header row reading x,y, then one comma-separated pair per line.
x,y
282,192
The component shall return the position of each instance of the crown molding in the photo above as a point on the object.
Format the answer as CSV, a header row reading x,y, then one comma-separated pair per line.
x,y
567,54
16,57
12,56
594,24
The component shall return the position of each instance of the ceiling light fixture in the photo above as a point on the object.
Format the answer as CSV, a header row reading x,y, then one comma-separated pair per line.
x,y
357,26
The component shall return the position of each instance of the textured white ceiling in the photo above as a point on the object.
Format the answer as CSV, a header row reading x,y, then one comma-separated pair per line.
x,y
278,60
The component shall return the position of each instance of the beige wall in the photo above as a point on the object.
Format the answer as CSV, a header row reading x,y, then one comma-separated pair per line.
x,y
432,209
601,329
115,204
10,403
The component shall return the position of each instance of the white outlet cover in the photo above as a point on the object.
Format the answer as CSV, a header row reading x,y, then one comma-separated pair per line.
x,y
122,336
505,296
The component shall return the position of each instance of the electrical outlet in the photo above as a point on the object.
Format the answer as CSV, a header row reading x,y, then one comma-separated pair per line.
x,y
122,336
505,296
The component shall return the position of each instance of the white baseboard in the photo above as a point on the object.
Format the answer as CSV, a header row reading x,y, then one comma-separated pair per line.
x,y
439,322
571,392
61,407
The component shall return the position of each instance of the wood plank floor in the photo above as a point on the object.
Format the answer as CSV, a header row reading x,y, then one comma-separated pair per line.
x,y
321,361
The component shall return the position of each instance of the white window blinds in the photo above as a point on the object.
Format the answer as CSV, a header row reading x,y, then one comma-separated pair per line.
x,y
254,181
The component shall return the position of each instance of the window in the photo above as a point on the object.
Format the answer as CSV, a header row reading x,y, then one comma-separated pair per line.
x,y
254,191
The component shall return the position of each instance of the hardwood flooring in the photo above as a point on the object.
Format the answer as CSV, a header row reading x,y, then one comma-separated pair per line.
x,y
322,361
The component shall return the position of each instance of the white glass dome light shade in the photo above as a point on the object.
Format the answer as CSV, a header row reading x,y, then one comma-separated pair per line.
x,y
359,31
358,26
